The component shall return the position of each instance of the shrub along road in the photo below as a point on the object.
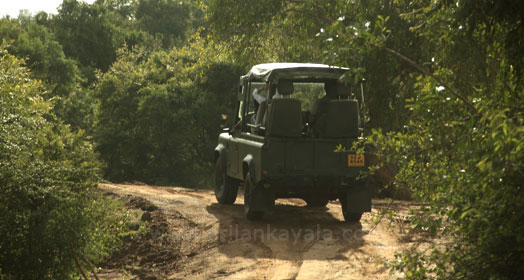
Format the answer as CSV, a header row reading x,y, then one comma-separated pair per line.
x,y
195,237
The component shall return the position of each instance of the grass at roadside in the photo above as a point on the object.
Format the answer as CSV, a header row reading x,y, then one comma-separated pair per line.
x,y
116,223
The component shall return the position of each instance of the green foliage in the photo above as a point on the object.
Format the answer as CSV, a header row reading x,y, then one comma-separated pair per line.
x,y
46,174
159,114
168,19
92,33
44,56
86,34
461,150
270,31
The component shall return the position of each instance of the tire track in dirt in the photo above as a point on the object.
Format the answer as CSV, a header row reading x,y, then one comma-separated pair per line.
x,y
292,242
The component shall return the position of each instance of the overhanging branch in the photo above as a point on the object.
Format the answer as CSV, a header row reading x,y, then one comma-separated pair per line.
x,y
425,71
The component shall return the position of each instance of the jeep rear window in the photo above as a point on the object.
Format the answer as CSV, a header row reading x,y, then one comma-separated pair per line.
x,y
308,93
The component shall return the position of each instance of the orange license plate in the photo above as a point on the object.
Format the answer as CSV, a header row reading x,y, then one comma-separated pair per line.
x,y
355,160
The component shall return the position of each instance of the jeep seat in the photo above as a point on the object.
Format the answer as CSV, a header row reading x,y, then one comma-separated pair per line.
x,y
285,118
284,114
341,119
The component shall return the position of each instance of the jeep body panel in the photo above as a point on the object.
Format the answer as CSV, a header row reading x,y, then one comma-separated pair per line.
x,y
239,146
282,161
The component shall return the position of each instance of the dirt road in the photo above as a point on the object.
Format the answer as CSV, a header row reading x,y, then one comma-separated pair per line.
x,y
197,238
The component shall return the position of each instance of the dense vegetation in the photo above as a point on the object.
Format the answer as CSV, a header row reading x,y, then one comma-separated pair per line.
x,y
159,116
144,82
47,176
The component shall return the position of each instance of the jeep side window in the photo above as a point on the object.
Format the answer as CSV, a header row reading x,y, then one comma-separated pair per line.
x,y
243,110
250,104
239,108
240,97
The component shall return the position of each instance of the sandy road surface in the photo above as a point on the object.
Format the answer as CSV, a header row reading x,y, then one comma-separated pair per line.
x,y
291,242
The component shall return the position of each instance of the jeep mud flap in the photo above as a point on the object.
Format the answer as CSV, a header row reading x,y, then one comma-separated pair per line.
x,y
262,199
358,199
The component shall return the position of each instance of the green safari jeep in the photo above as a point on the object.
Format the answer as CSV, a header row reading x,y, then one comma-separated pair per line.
x,y
290,119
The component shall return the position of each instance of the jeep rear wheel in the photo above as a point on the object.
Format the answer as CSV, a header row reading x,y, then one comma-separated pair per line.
x,y
349,217
249,198
226,188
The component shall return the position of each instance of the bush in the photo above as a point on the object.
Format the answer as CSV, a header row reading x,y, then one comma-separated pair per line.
x,y
46,177
462,150
459,140
159,115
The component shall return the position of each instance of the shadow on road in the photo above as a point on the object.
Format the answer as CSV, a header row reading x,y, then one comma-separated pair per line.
x,y
286,228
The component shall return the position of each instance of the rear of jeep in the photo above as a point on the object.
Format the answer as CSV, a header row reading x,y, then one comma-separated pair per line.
x,y
281,148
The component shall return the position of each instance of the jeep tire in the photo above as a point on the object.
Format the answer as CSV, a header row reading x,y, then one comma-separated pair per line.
x,y
349,217
249,197
226,188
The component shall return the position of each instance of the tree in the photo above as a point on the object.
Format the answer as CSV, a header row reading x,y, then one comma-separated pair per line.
x,y
168,19
86,34
34,43
269,30
461,148
43,54
159,114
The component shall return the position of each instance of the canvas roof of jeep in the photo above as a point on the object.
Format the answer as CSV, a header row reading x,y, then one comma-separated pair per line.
x,y
272,72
